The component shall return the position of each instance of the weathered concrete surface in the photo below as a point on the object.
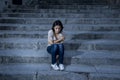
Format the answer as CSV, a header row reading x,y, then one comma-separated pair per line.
x,y
97,58
101,76
71,72
36,72
92,43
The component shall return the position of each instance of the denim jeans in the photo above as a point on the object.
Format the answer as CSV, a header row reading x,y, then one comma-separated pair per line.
x,y
55,49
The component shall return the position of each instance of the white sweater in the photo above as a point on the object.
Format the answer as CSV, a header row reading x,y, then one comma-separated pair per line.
x,y
52,37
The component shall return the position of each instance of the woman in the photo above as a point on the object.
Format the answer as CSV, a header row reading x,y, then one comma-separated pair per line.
x,y
55,45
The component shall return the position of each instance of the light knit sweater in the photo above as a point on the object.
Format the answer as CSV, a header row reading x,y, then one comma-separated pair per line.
x,y
51,36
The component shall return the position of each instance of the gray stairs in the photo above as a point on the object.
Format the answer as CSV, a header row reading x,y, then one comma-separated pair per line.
x,y
92,45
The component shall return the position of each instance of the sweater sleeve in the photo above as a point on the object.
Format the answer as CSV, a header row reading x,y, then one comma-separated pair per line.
x,y
50,35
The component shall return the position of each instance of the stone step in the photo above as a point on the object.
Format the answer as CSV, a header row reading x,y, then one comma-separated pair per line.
x,y
31,56
86,35
24,43
97,58
101,76
110,45
108,69
66,8
43,71
76,10
36,72
67,27
23,34
53,15
64,20
87,7
76,6
82,35
102,72
82,57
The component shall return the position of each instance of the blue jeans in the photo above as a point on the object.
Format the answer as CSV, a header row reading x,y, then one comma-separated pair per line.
x,y
56,49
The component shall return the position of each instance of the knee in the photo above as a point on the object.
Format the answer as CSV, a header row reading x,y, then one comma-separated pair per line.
x,y
55,46
49,49
61,49
61,46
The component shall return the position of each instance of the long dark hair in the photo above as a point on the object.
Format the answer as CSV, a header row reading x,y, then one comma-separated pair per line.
x,y
57,23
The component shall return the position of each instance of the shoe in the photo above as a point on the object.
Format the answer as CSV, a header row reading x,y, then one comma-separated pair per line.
x,y
54,66
61,66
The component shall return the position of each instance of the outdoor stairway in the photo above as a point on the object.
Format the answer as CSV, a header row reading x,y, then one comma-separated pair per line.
x,y
92,45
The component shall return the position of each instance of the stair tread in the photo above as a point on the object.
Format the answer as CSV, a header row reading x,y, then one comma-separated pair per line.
x,y
33,67
99,55
108,69
69,53
24,67
55,14
92,69
37,70
49,13
105,69
67,10
84,25
64,20
44,69
83,57
59,18
33,40
98,75
34,53
68,15
66,32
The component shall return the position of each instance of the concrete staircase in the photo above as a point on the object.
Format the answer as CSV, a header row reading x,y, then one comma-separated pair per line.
x,y
92,45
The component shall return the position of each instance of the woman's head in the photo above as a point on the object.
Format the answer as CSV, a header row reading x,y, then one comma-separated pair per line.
x,y
57,26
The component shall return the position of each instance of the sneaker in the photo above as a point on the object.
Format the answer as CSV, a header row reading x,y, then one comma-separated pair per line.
x,y
54,66
61,66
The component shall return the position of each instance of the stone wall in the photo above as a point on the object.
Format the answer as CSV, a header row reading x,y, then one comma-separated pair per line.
x,y
113,2
6,4
81,1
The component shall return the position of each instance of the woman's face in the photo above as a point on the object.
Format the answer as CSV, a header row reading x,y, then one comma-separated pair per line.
x,y
57,29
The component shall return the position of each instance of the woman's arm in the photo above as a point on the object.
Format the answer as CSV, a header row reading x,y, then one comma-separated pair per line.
x,y
59,40
50,38
50,41
55,41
